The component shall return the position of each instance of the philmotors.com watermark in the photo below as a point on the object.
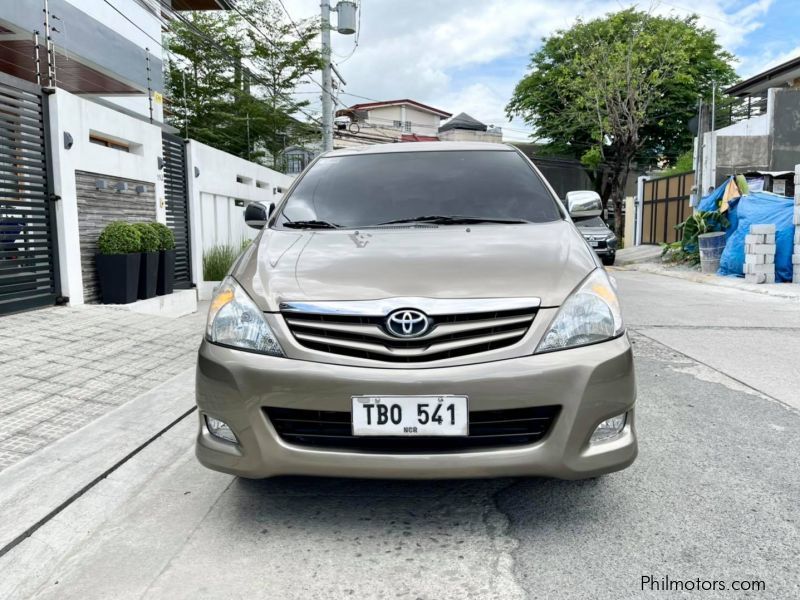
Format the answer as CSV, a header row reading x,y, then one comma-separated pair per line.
x,y
669,584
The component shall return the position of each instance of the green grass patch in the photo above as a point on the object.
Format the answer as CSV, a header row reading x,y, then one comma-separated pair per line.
x,y
217,262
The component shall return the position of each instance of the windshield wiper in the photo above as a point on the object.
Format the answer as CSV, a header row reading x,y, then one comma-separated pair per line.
x,y
452,220
310,225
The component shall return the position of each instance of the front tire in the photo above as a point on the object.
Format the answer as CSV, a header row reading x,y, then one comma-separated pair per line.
x,y
608,259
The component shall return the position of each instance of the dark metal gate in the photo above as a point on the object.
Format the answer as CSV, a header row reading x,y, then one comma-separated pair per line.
x,y
177,206
28,260
665,204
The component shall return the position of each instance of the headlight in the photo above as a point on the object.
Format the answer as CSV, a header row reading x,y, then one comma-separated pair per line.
x,y
235,320
591,314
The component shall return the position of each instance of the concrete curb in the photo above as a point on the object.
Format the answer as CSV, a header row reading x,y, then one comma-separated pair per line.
x,y
637,255
37,488
778,290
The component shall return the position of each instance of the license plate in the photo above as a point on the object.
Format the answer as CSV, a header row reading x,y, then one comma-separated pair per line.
x,y
594,244
410,415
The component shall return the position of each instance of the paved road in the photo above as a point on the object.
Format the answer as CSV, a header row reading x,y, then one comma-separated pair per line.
x,y
714,495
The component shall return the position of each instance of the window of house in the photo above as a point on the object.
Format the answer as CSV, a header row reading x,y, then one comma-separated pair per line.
x,y
109,143
295,163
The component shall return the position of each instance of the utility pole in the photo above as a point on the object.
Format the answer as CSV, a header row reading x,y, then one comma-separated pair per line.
x,y
346,25
327,78
248,136
185,107
698,172
713,145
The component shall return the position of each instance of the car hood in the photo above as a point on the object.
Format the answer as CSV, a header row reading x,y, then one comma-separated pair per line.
x,y
594,230
544,260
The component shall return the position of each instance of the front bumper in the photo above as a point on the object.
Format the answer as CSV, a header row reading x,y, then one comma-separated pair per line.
x,y
590,384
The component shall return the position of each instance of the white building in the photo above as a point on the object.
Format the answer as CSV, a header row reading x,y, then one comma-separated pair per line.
x,y
387,122
756,130
83,143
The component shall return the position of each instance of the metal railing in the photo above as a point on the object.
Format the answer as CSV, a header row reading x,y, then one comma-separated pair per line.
x,y
734,110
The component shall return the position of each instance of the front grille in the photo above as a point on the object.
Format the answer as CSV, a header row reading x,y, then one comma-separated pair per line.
x,y
597,242
487,429
450,336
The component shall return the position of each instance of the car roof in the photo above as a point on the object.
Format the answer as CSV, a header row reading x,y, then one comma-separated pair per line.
x,y
419,147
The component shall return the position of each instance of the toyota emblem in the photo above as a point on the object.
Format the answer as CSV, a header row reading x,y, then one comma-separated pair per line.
x,y
407,323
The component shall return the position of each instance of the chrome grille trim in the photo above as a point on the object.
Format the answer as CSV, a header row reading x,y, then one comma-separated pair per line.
x,y
456,331
430,306
373,330
433,348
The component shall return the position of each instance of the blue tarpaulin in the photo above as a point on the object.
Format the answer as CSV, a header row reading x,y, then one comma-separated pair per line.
x,y
711,202
752,209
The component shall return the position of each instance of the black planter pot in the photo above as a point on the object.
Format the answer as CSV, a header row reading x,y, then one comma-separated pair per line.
x,y
166,272
148,273
119,277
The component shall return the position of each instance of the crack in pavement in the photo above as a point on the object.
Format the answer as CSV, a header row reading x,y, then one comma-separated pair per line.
x,y
720,377
498,526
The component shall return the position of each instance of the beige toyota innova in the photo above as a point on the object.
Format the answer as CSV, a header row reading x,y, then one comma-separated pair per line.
x,y
418,310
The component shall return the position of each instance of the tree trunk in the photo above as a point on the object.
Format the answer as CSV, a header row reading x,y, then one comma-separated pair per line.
x,y
619,180
602,183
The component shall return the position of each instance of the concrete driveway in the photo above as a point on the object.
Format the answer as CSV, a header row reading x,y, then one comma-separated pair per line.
x,y
712,499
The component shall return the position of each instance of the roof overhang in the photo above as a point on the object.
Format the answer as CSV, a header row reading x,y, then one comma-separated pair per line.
x,y
93,58
403,102
774,77
72,75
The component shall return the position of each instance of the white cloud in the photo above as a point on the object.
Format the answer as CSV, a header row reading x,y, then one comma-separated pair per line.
x,y
456,55
766,59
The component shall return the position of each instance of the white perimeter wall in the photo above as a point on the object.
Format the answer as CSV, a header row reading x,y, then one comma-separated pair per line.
x,y
214,216
79,117
214,192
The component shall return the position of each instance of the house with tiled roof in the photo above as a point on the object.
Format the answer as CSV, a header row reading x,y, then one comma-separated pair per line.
x,y
387,121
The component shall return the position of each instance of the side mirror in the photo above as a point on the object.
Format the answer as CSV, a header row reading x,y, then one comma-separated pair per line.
x,y
584,204
256,215
271,209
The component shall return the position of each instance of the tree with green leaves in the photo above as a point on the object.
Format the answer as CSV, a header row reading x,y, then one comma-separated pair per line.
x,y
231,75
620,90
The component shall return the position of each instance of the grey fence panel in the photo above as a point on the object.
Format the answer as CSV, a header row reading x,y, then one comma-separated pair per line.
x,y
177,206
28,261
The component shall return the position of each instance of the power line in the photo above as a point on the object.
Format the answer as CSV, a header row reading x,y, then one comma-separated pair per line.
x,y
274,45
691,10
358,96
224,52
129,20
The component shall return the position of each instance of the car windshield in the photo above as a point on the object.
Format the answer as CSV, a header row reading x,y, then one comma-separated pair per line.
x,y
441,187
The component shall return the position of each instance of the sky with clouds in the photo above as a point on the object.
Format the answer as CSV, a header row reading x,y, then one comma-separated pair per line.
x,y
467,55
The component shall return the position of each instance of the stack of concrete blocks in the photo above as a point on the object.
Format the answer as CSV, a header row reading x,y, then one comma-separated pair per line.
x,y
759,257
796,221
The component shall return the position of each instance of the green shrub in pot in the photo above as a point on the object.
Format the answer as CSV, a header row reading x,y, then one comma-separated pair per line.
x,y
118,262
166,259
165,236
119,238
148,269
